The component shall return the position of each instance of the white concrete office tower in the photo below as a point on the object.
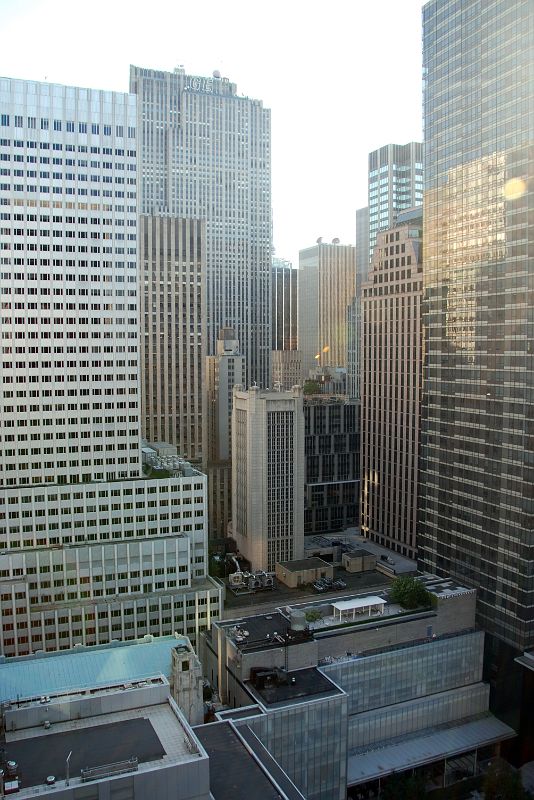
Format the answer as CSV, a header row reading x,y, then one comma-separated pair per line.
x,y
90,549
268,475
395,183
172,266
205,153
223,372
326,289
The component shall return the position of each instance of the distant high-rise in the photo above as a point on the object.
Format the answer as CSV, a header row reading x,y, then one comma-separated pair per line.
x,y
354,315
391,369
205,153
268,475
326,289
223,372
362,247
284,305
172,263
477,449
91,548
395,183
332,463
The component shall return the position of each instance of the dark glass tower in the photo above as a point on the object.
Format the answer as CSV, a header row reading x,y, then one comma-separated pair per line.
x,y
477,467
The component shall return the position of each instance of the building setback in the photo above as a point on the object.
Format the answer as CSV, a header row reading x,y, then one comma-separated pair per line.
x,y
91,549
477,449
391,362
268,475
205,153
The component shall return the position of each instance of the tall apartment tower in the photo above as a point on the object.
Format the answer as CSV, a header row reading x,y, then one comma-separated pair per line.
x,y
223,372
268,475
395,183
326,289
205,153
91,549
391,376
172,263
477,464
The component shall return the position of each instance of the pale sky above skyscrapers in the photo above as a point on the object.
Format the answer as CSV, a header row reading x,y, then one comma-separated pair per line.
x,y
342,78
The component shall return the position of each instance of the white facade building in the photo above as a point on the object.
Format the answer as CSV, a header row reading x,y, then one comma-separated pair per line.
x,y
268,475
90,549
205,153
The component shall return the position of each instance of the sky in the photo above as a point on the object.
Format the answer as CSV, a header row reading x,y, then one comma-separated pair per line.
x,y
341,78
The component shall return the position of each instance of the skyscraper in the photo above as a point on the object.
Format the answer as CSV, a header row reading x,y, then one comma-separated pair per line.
x,y
268,475
326,289
223,372
332,463
284,305
172,263
205,153
91,548
354,315
395,183
391,369
477,464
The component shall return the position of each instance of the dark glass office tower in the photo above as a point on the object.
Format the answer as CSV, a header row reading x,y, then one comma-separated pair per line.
x,y
477,466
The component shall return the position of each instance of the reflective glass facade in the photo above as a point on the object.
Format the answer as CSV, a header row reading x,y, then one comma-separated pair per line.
x,y
309,741
477,447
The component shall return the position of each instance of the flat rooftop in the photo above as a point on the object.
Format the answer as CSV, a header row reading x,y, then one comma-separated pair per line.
x,y
444,587
41,674
150,734
235,772
309,683
281,595
255,629
304,563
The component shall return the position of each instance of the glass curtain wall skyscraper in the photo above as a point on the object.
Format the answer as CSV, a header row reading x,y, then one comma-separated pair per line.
x,y
205,153
476,518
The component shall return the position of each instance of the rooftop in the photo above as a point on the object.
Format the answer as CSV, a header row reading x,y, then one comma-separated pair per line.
x,y
303,684
150,734
235,771
304,563
40,674
256,630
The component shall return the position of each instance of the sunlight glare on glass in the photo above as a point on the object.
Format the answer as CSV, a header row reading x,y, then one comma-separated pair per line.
x,y
514,188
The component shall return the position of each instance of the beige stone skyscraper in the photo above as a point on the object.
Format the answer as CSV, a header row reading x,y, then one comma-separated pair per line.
x,y
173,337
391,360
223,372
326,289
268,475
